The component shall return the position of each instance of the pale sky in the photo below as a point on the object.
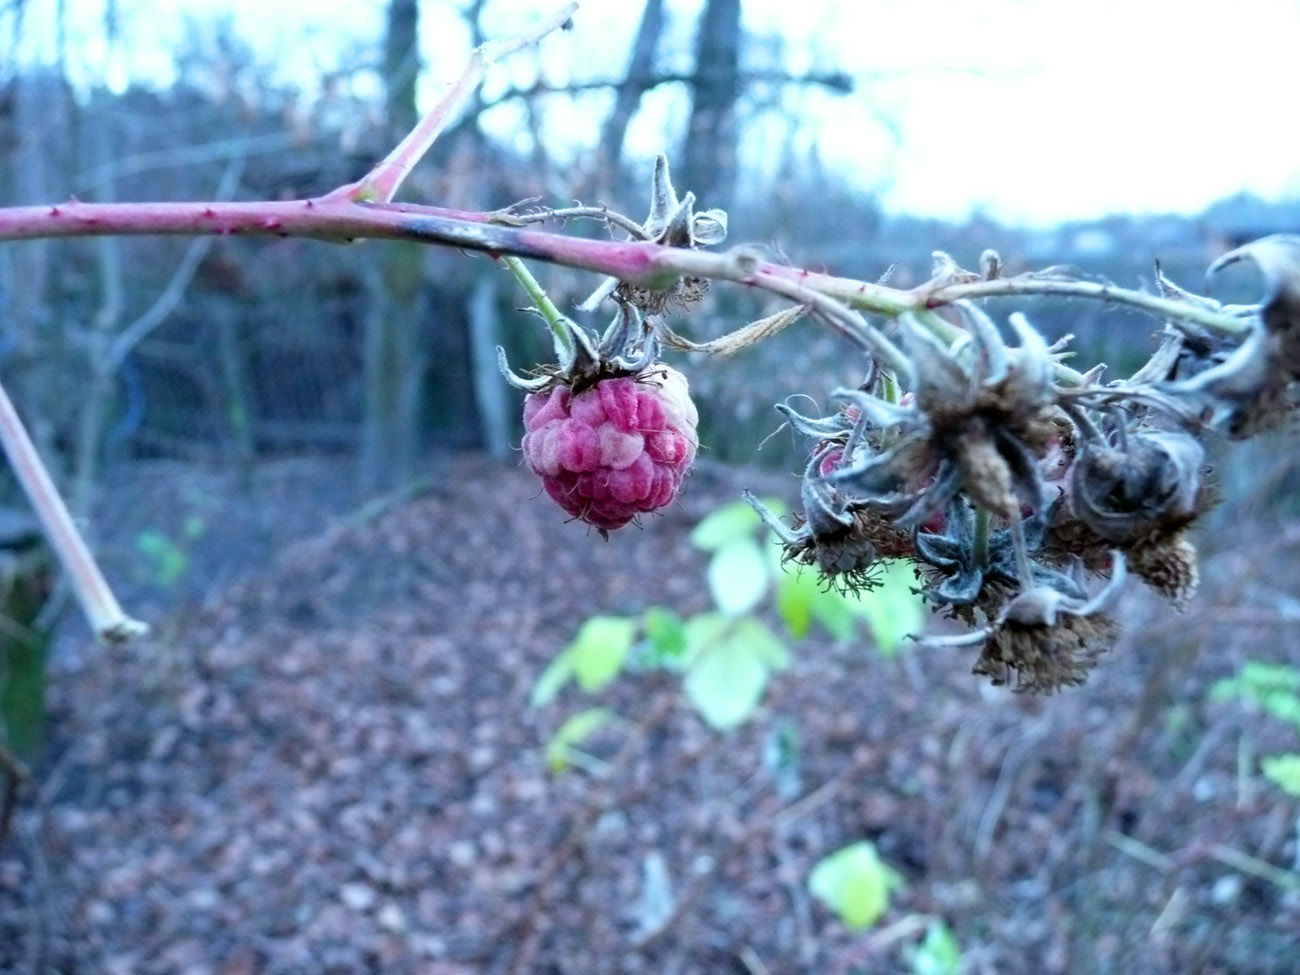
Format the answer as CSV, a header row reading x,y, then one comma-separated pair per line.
x,y
1032,112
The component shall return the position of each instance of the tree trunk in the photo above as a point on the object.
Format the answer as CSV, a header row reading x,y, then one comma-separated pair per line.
x,y
640,77
710,163
490,390
393,361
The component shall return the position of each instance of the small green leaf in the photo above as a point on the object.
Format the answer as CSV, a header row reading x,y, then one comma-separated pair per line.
x,y
1284,770
1257,680
1266,676
892,610
728,523
572,733
726,682
666,633
761,641
836,613
738,576
703,630
855,883
1223,689
795,593
598,650
1282,704
554,677
938,954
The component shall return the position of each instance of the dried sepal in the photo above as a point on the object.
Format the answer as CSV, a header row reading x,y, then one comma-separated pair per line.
x,y
746,336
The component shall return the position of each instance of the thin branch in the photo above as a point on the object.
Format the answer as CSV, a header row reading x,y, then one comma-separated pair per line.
x,y
1254,866
837,81
171,296
99,604
1023,285
639,262
380,185
512,216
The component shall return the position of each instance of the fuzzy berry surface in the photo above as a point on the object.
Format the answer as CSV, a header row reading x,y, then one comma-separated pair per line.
x,y
616,449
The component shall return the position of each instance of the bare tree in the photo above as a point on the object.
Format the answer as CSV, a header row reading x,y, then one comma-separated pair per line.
x,y
640,79
710,151
393,362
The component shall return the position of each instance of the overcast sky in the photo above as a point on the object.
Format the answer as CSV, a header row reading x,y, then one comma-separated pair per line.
x,y
1031,111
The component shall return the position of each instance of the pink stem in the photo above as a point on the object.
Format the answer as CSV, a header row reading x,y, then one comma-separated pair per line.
x,y
333,219
380,185
97,600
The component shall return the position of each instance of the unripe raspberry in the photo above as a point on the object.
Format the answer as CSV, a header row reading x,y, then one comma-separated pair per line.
x,y
616,449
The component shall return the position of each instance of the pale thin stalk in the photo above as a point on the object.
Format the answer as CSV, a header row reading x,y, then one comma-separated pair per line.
x,y
97,600
1183,311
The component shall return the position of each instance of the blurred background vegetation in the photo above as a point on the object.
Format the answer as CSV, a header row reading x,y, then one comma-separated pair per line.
x,y
229,350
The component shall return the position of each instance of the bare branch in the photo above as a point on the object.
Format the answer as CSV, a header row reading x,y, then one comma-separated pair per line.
x,y
99,604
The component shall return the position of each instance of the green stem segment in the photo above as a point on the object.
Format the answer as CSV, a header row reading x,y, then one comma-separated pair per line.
x,y
555,321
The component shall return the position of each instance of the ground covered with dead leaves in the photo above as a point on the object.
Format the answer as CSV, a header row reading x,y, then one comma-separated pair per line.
x,y
324,762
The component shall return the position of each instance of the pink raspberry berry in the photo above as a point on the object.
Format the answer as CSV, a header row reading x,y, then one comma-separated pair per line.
x,y
617,448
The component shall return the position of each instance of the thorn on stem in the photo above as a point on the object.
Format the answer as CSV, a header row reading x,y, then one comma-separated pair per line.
x,y
55,212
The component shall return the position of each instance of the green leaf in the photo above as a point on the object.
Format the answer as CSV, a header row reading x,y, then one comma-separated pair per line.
x,y
761,641
1257,680
835,612
554,677
727,524
572,733
795,594
598,650
703,630
855,883
1282,704
938,954
738,576
1284,770
666,633
892,610
1266,676
726,682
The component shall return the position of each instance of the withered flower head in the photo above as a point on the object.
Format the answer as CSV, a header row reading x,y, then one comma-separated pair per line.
x,y
1043,659
1252,389
1045,639
844,539
966,573
672,222
1168,564
1146,484
981,413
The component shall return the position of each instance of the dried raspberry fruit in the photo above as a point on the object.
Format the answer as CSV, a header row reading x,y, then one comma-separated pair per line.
x,y
615,449
609,430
